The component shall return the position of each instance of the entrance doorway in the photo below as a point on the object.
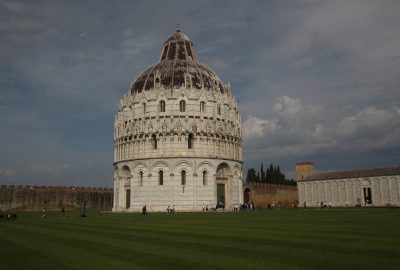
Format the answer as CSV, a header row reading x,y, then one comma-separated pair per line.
x,y
128,198
223,196
367,195
221,193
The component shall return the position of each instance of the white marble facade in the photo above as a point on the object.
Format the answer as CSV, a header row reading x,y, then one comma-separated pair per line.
x,y
199,189
177,137
384,191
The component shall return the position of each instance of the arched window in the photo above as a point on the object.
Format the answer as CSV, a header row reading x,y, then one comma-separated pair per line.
x,y
202,106
141,178
182,106
162,106
157,82
183,177
161,178
204,178
219,110
144,107
188,82
154,141
190,141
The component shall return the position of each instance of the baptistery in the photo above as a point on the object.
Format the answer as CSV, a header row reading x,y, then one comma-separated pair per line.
x,y
177,137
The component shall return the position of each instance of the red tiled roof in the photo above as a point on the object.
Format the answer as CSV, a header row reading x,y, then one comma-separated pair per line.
x,y
304,163
354,174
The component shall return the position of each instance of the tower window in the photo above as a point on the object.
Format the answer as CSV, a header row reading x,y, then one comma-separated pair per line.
x,y
161,178
183,177
141,178
190,141
204,178
162,106
182,106
202,106
219,110
154,140
144,107
188,81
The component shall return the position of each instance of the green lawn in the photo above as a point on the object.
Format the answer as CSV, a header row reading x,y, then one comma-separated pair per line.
x,y
286,239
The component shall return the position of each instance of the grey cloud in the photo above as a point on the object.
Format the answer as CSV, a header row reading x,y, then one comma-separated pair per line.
x,y
302,129
12,5
8,174
48,170
314,79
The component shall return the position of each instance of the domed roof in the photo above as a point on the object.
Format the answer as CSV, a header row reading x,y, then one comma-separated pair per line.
x,y
178,66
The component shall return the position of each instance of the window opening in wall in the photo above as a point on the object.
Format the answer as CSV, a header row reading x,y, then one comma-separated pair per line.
x,y
190,141
202,106
141,178
182,106
162,106
183,177
219,110
188,82
161,178
144,107
204,178
367,195
154,139
128,199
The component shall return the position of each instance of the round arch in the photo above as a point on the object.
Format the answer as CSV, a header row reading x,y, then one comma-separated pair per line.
x,y
223,170
140,165
185,164
160,164
205,164
125,171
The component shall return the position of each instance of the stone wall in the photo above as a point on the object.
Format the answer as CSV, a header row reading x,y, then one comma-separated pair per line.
x,y
264,194
31,198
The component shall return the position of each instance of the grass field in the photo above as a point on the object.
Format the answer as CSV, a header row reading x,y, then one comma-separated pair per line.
x,y
285,239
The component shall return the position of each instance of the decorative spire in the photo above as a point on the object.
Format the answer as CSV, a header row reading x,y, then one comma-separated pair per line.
x,y
178,28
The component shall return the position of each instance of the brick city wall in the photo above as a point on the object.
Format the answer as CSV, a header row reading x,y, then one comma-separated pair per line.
x,y
31,198
264,194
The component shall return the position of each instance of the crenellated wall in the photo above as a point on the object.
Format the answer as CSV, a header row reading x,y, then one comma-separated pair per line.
x,y
264,194
29,198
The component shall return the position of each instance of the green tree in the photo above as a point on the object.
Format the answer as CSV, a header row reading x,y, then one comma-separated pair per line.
x,y
272,175
251,175
262,173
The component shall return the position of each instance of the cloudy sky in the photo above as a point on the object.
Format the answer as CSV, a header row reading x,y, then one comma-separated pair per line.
x,y
316,80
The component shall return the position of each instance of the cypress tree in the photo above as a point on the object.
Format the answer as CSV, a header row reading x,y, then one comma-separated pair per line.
x,y
262,173
271,173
